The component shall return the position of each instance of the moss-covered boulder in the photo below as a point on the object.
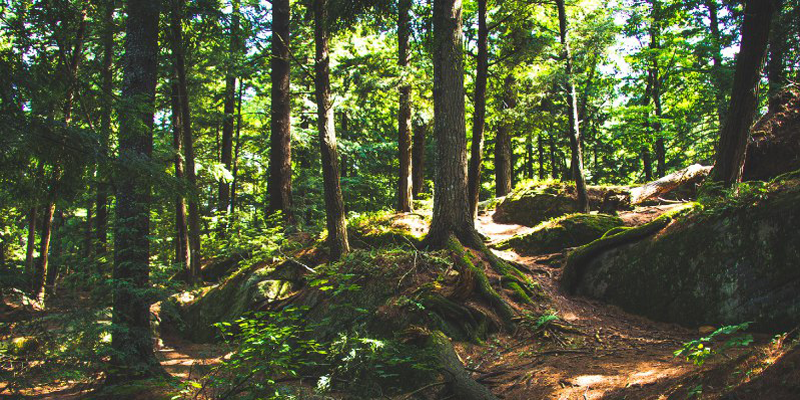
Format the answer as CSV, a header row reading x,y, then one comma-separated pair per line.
x,y
560,233
736,264
535,203
194,314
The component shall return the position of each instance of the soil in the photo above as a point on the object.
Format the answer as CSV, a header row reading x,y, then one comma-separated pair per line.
x,y
592,351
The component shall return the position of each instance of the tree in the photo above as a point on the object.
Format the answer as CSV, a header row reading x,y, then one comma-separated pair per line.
x,y
655,88
733,137
226,152
179,63
451,213
479,116
418,158
404,183
107,77
280,167
334,204
131,341
503,152
572,111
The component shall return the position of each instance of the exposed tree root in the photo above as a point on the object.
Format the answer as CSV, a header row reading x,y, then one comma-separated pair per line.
x,y
460,383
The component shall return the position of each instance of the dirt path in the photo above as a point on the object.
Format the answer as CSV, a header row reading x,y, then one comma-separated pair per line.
x,y
604,354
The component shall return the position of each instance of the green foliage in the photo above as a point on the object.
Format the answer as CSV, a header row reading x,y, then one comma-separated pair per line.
x,y
369,368
699,350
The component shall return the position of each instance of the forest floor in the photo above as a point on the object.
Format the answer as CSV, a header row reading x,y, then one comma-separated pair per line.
x,y
591,350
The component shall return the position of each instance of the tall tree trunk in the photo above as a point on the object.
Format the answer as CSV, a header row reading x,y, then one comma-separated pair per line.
x,y
280,167
56,248
574,129
451,213
655,72
131,341
176,30
716,56
529,156
646,160
237,147
229,108
418,159
404,182
777,54
479,115
540,145
732,145
44,249
107,88
502,147
553,167
182,247
334,203
30,246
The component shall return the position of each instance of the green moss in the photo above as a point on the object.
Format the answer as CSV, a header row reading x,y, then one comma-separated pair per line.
x,y
557,234
378,230
578,259
22,345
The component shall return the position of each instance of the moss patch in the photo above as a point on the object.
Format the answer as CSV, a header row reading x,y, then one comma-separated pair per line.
x,y
560,233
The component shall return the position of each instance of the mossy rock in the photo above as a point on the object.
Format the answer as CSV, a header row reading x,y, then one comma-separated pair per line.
x,y
560,233
533,204
381,230
740,264
242,292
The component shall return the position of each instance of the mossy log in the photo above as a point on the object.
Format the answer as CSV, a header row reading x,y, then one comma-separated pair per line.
x,y
691,174
555,235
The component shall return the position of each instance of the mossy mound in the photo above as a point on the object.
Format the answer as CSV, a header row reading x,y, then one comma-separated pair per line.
x,y
560,233
535,203
383,229
736,264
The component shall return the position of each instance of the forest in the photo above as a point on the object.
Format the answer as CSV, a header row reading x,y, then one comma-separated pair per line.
x,y
400,199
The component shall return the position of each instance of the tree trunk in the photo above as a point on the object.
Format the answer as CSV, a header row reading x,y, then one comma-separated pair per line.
x,y
646,160
280,167
540,145
343,157
716,56
479,115
133,356
182,247
655,73
404,182
334,204
744,97
176,28
107,88
502,146
529,156
574,129
30,246
229,108
777,54
44,250
236,149
451,213
51,268
418,159
553,168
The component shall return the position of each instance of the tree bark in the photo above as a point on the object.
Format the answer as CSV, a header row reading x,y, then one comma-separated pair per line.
x,y
280,168
777,55
574,129
732,145
716,56
334,203
44,250
229,108
404,183
451,213
553,168
502,146
182,247
131,341
107,88
655,47
236,149
646,158
30,246
176,30
542,161
479,115
418,159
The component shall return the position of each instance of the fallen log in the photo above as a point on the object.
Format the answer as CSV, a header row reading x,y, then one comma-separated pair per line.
x,y
653,191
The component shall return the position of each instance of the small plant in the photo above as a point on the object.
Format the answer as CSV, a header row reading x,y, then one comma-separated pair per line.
x,y
698,351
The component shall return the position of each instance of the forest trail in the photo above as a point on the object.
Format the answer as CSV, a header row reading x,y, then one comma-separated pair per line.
x,y
593,351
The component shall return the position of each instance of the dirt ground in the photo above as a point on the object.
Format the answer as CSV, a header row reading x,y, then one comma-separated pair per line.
x,y
592,351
